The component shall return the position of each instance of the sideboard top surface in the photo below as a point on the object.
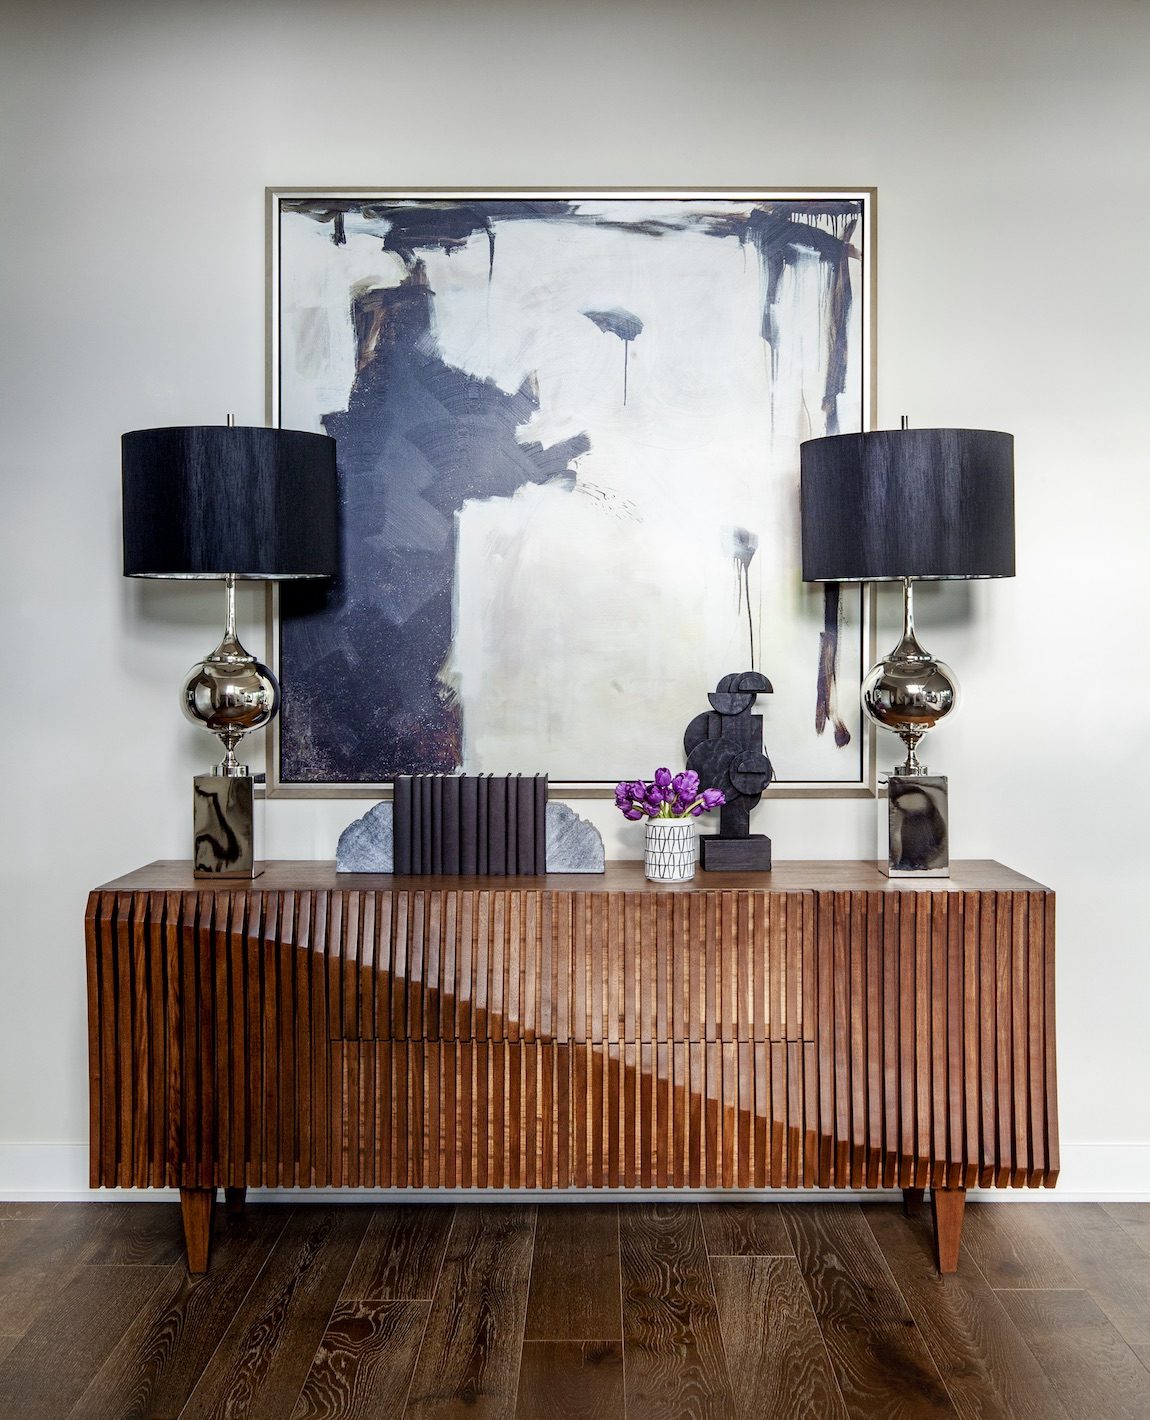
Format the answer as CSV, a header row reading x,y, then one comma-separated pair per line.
x,y
304,875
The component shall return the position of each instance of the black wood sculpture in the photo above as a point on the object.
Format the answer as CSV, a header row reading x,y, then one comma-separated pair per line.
x,y
725,749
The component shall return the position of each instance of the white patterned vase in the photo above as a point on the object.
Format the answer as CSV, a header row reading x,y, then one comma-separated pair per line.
x,y
670,850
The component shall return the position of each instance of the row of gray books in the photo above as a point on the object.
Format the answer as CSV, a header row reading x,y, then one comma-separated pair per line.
x,y
470,824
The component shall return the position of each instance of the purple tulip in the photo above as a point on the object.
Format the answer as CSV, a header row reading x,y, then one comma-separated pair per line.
x,y
676,794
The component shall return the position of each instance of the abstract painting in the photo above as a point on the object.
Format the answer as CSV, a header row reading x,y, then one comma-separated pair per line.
x,y
568,429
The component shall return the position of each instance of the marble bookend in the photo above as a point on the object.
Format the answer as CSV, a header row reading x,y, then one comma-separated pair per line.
x,y
366,846
574,845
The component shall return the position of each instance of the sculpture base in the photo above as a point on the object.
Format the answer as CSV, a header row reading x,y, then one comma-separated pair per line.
x,y
735,855
917,826
223,826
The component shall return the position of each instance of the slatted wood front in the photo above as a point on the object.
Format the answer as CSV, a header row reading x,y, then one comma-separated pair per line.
x,y
542,1036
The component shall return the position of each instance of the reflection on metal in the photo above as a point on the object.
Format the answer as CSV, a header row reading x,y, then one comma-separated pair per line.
x,y
230,692
918,826
909,691
224,826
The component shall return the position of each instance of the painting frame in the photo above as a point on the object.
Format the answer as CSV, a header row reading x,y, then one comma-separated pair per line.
x,y
865,785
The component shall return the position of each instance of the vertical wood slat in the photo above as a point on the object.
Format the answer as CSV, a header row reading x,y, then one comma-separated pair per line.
x,y
1049,1114
242,1036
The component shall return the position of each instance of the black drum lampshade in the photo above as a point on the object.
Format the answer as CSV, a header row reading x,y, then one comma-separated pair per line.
x,y
920,503
214,501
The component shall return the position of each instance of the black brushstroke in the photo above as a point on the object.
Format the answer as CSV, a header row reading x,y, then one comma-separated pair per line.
x,y
746,544
625,325
828,665
362,658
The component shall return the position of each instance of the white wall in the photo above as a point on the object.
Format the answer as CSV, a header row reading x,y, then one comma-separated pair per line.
x,y
1007,142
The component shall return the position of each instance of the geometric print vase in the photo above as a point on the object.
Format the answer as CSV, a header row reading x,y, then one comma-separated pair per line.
x,y
670,850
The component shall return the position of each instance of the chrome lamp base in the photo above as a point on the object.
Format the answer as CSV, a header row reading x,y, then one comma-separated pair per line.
x,y
229,693
917,823
223,826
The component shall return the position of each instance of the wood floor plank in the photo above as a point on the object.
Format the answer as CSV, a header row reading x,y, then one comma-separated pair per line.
x,y
776,1358
571,1380
363,1367
1104,1260
140,1235
13,1210
673,1361
745,1229
12,1232
53,1362
154,1368
1012,1248
1134,1220
1094,1371
469,1361
987,1368
401,1254
881,1362
41,1261
263,1358
575,1274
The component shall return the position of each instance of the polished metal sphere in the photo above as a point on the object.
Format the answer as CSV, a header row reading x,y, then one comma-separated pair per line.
x,y
230,691
910,690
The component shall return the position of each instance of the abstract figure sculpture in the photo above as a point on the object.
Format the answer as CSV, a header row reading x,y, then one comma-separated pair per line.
x,y
725,748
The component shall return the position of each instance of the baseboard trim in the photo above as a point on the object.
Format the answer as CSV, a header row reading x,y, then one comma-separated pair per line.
x,y
1091,1173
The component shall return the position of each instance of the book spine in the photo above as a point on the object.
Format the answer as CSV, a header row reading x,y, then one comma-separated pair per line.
x,y
417,823
451,798
483,825
469,824
512,826
425,835
497,826
525,796
401,824
436,824
540,787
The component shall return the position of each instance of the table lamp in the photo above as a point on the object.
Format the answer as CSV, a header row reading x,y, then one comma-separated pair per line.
x,y
225,503
907,505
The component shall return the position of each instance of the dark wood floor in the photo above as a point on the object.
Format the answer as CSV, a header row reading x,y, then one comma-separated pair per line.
x,y
636,1311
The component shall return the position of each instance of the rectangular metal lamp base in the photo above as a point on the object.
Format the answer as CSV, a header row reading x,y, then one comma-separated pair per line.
x,y
917,826
223,825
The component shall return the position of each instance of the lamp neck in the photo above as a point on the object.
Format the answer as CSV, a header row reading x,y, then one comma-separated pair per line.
x,y
908,648
230,616
231,648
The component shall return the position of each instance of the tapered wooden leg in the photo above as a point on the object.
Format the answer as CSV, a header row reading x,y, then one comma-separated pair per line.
x,y
196,1207
234,1200
912,1201
946,1206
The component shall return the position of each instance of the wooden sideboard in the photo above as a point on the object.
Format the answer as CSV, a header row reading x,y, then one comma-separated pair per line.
x,y
818,1025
